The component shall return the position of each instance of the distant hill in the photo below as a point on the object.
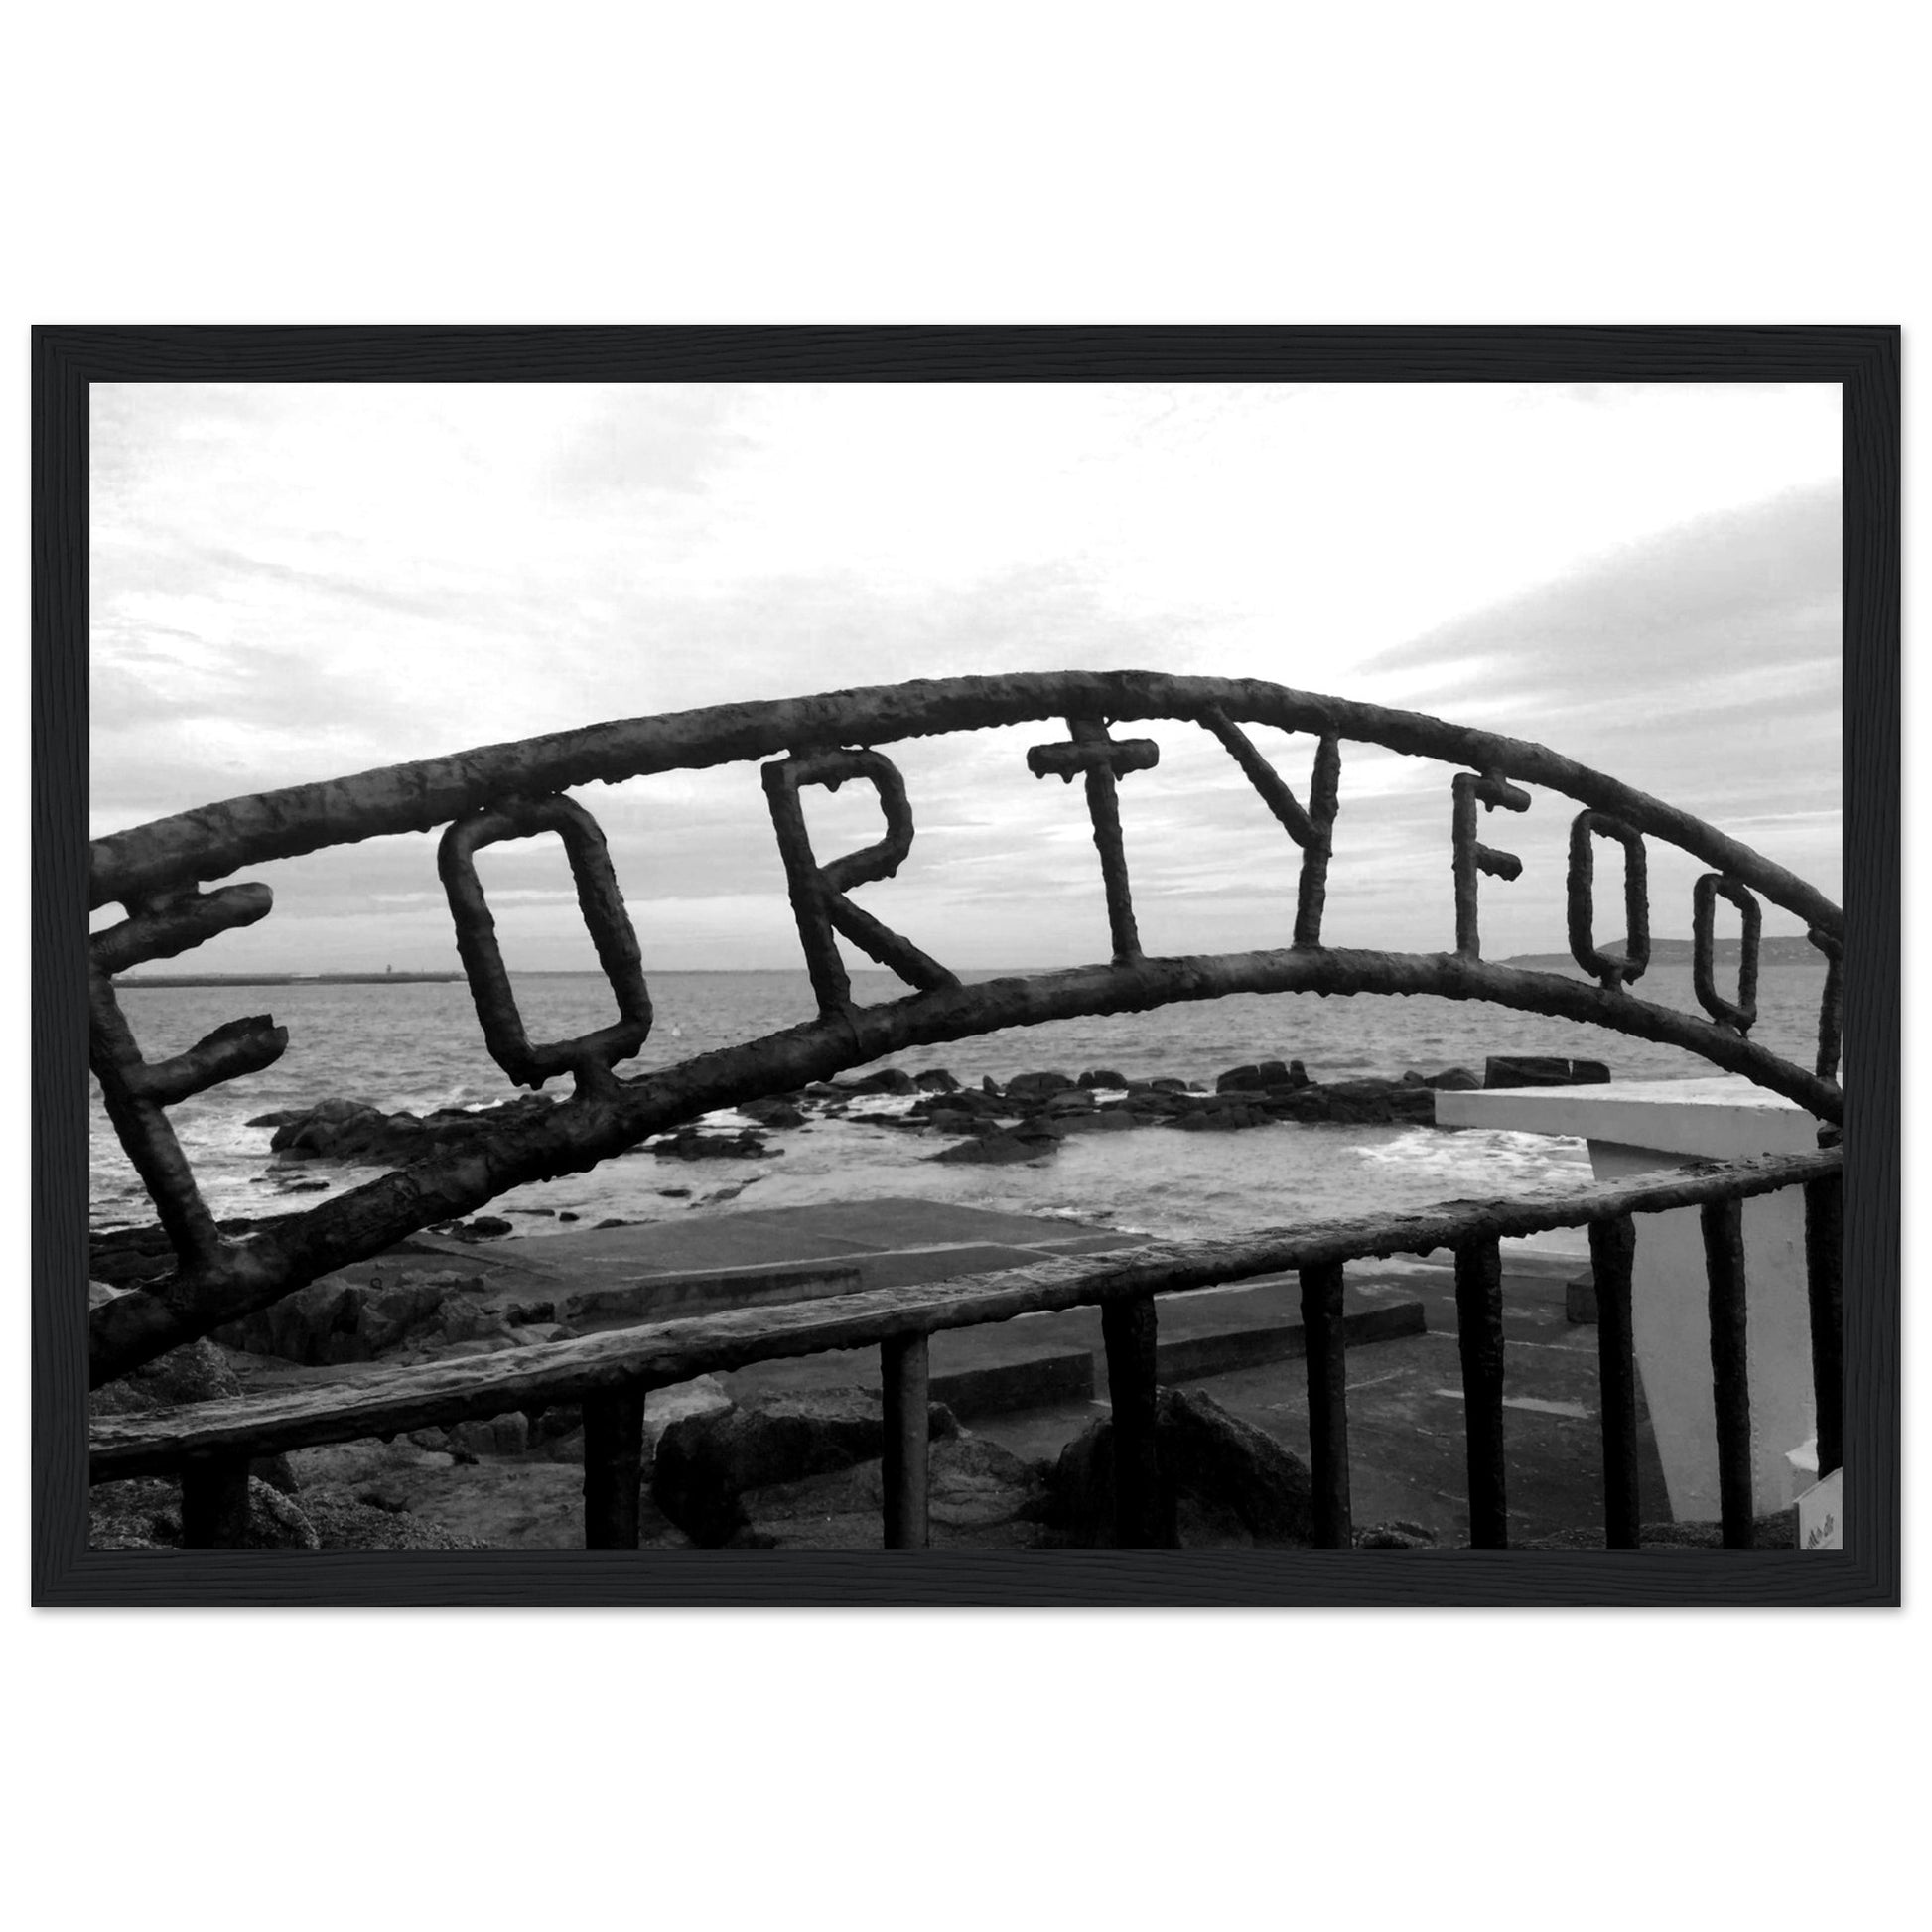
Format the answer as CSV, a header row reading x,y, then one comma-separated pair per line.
x,y
1790,950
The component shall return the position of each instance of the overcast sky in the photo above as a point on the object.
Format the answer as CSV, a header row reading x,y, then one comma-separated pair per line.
x,y
295,582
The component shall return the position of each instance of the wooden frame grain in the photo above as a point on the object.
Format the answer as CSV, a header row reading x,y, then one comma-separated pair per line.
x,y
1865,359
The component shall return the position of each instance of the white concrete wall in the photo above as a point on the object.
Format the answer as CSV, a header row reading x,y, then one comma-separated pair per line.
x,y
1652,1125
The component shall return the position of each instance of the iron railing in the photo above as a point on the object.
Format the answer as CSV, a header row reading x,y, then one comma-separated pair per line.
x,y
211,1445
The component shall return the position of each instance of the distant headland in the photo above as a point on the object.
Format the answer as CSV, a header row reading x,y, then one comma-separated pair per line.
x,y
392,978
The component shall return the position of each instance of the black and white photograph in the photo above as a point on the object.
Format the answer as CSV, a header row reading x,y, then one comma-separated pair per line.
x,y
709,970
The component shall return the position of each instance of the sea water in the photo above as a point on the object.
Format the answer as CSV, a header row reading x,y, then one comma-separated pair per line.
x,y
419,1046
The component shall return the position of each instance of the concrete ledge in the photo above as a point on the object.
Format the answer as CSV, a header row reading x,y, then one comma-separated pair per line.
x,y
1218,1350
708,1291
1032,1379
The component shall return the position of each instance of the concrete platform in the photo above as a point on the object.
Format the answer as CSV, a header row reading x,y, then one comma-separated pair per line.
x,y
1033,1383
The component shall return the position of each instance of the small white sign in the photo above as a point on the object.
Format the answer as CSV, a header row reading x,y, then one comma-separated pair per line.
x,y
1821,1514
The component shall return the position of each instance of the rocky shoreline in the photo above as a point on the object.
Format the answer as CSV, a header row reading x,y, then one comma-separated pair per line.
x,y
1021,1119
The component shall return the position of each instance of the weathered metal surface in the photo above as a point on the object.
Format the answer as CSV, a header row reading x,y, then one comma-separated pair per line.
x,y
1614,970
388,1401
1479,1342
177,926
1313,830
1469,857
515,791
1823,1280
614,1468
1740,1014
1327,1347
1831,1005
1102,761
590,1056
1724,1267
819,901
1129,1329
906,1380
1612,1251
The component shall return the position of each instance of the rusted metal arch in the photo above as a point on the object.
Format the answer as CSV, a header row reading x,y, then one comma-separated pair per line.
x,y
251,1273
170,854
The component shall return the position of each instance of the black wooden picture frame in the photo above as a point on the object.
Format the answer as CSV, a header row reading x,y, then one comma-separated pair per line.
x,y
1863,360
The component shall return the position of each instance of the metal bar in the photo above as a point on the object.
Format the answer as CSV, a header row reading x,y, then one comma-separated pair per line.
x,y
1129,1330
1321,1325
614,1468
1723,1268
1612,1248
214,1502
1479,1340
177,926
905,1376
1823,1280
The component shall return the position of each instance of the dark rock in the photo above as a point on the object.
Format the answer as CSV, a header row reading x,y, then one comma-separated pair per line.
x,y
1038,1084
351,1130
1455,1079
278,1472
1226,1477
505,1434
1525,1070
1076,1100
1103,1077
145,1515
193,1372
1588,1073
487,1227
935,1079
999,1148
889,1079
521,1314
775,1112
1265,1073
705,1464
1167,1083
692,1144
566,1215
334,1321
615,1221
1394,1536
990,1085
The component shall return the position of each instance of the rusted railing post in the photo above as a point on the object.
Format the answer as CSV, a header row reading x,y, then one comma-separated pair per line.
x,y
214,1502
1823,1269
614,1468
905,1374
1479,1340
1723,1268
1129,1330
1321,1325
1612,1248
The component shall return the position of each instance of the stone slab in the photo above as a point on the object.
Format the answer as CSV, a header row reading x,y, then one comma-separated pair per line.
x,y
1038,1378
1220,1351
664,1297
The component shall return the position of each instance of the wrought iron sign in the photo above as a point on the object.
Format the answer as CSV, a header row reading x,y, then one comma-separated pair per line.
x,y
517,790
